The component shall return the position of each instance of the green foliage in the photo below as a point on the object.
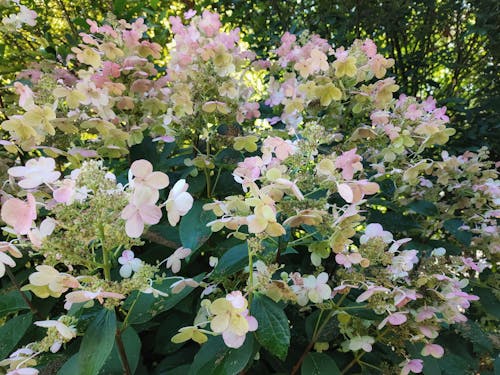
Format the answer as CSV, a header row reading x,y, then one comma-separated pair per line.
x,y
13,302
193,230
144,306
97,344
215,358
274,331
448,49
233,260
319,364
12,332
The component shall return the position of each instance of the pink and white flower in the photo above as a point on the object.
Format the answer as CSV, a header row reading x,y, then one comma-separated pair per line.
x,y
412,365
140,211
179,202
81,296
129,264
174,260
434,350
144,175
36,172
19,214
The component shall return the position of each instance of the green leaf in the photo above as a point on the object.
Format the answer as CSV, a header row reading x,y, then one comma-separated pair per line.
x,y
228,158
12,332
393,221
431,366
132,345
193,229
273,332
161,232
462,236
319,364
488,301
215,358
12,302
97,343
119,6
145,150
70,367
425,208
233,260
147,306
387,188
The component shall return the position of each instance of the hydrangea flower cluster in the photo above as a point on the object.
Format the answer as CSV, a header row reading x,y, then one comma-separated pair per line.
x,y
327,216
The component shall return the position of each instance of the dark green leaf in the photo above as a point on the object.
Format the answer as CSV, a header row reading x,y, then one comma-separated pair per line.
x,y
97,343
274,331
228,158
387,188
161,232
425,208
70,367
147,306
233,260
393,221
488,301
12,332
145,150
431,366
215,358
462,236
319,364
13,301
193,229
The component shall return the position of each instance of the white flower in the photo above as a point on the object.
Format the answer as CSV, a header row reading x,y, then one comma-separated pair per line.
x,y
361,342
178,286
318,287
129,264
37,235
141,210
36,172
314,289
174,260
155,292
179,202
67,333
403,263
5,260
144,175
376,230
23,371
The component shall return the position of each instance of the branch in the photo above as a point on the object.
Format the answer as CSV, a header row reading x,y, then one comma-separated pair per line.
x,y
68,19
156,238
122,353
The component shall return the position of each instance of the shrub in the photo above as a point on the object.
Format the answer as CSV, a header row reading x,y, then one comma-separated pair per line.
x,y
311,225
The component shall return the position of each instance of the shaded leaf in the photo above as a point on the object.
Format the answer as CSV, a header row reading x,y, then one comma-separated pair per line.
x,y
12,332
97,343
12,302
425,208
319,364
274,331
453,227
215,358
147,306
233,260
193,229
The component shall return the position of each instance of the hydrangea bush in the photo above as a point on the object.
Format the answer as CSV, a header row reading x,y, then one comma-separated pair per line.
x,y
217,213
